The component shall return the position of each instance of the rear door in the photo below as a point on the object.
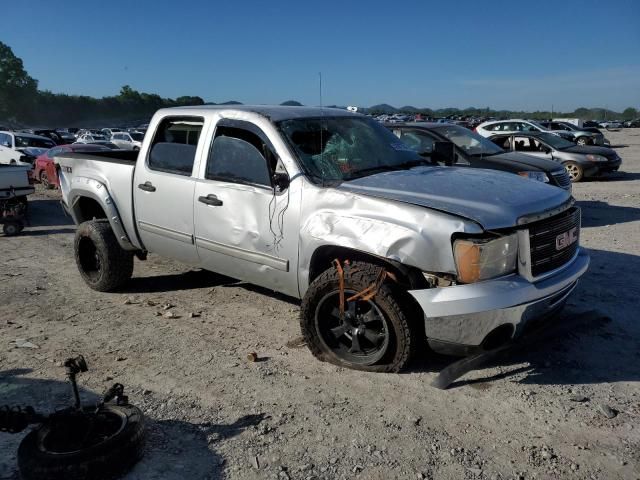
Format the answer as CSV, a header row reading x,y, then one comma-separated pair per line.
x,y
163,188
246,228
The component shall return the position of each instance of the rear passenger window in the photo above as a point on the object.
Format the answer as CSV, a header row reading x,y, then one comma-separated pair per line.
x,y
173,149
238,156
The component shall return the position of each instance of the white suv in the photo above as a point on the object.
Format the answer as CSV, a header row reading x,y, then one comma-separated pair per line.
x,y
494,127
22,148
128,141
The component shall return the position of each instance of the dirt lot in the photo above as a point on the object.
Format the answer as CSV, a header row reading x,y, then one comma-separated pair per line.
x,y
211,414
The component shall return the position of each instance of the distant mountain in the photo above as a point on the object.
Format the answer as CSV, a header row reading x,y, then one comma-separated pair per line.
x,y
409,109
292,103
383,108
231,102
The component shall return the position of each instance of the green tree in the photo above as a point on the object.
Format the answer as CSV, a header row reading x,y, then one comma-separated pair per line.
x,y
17,89
630,113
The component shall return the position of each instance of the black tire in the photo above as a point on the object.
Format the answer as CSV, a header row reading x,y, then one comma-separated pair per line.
x,y
392,309
103,264
108,459
575,171
11,229
582,141
44,180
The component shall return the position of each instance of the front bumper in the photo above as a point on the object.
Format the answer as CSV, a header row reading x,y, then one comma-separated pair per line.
x,y
464,315
611,166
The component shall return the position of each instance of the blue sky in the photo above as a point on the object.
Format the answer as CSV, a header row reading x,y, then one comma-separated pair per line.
x,y
501,54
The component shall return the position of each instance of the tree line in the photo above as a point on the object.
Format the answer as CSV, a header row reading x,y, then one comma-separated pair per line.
x,y
23,104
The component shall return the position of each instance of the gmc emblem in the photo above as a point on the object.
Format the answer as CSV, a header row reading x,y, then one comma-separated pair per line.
x,y
567,238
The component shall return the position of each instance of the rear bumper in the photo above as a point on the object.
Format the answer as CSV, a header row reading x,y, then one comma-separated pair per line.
x,y
464,315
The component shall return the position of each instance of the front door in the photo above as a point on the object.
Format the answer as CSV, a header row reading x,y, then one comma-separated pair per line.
x,y
164,186
246,228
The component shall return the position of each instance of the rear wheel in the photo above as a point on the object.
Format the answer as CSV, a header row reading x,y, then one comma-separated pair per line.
x,y
44,180
575,171
378,334
102,262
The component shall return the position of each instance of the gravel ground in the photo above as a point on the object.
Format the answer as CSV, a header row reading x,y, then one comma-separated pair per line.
x,y
542,412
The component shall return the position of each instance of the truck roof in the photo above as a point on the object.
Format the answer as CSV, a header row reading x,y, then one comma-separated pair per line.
x,y
275,113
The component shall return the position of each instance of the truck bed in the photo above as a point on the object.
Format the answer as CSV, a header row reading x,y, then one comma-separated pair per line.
x,y
114,169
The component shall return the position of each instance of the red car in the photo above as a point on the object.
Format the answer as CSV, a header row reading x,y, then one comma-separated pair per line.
x,y
44,169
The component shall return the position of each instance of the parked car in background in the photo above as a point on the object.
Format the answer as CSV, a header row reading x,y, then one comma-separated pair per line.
x,y
91,137
475,151
493,127
45,132
610,124
590,123
68,136
22,148
579,161
384,250
104,143
127,141
580,136
632,123
44,169
108,132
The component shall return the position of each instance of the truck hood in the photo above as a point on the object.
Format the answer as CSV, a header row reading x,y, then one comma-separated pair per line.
x,y
525,162
490,198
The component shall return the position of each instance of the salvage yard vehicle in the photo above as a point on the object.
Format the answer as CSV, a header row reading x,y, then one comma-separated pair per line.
x,y
44,168
128,141
475,151
15,185
22,148
579,161
494,127
581,136
384,249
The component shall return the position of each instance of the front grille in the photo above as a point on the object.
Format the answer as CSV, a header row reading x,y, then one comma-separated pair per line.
x,y
562,179
547,235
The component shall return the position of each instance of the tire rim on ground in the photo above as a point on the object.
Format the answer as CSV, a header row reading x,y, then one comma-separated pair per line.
x,y
77,431
362,338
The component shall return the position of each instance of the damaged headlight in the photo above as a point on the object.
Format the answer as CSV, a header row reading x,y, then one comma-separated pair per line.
x,y
596,158
481,259
539,176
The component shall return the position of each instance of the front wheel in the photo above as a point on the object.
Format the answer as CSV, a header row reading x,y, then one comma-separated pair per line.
x,y
11,229
379,334
575,171
104,265
582,141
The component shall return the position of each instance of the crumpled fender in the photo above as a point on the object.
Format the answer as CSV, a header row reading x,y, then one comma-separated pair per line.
x,y
414,236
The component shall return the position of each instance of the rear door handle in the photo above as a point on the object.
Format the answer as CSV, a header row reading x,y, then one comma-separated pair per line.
x,y
147,187
210,199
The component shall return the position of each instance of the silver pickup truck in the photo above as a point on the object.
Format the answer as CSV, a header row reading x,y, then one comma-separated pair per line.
x,y
384,249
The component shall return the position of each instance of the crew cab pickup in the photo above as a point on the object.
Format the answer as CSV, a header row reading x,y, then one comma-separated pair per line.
x,y
384,248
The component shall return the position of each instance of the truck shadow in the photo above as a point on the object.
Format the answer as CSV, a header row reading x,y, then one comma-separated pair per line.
x,y
599,214
190,280
174,450
586,349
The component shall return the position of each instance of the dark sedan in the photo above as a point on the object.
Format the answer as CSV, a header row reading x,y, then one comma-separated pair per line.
x,y
579,161
475,151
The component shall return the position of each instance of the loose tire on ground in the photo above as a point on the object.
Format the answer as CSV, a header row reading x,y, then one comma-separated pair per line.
x,y
399,325
575,171
103,264
109,459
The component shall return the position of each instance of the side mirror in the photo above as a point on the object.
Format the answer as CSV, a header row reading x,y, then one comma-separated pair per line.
x,y
443,152
281,181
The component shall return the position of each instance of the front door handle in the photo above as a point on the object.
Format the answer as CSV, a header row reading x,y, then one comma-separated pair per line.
x,y
147,187
210,199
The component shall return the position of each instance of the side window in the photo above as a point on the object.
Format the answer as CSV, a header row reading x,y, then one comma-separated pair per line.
x,y
173,149
492,127
418,141
5,140
502,142
525,144
238,156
